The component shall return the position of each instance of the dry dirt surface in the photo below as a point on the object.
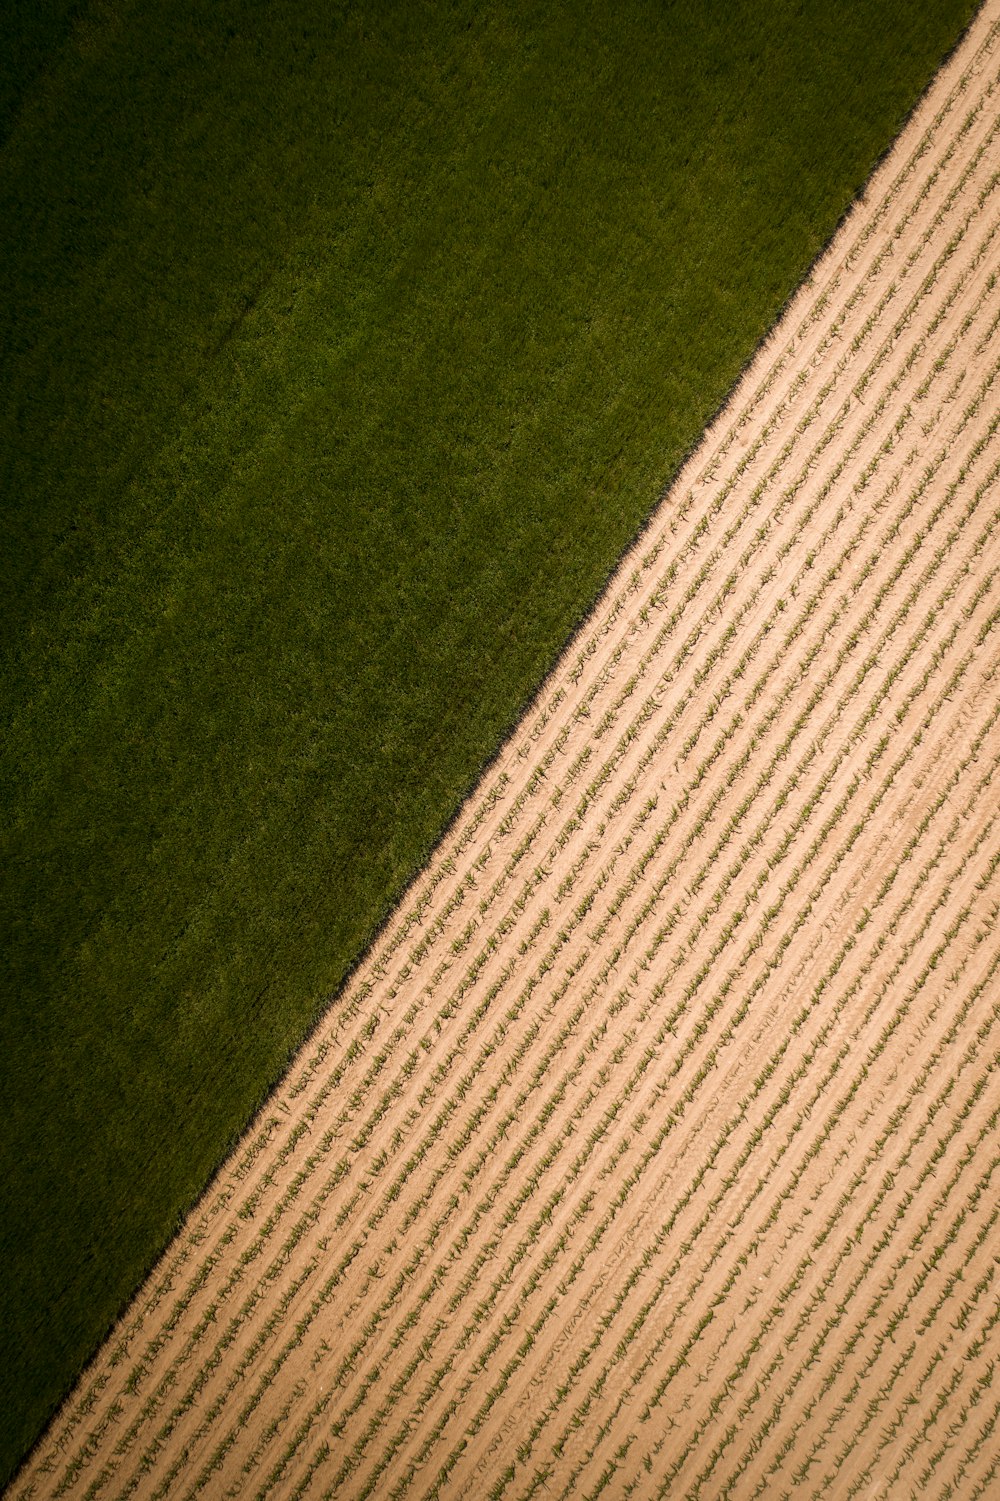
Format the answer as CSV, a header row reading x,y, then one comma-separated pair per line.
x,y
653,1150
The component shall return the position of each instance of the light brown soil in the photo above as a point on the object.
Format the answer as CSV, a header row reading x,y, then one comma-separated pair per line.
x,y
654,1151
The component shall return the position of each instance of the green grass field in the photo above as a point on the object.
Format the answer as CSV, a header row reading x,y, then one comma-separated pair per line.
x,y
344,349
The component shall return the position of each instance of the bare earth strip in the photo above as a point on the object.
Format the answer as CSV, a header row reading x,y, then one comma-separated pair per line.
x,y
653,1151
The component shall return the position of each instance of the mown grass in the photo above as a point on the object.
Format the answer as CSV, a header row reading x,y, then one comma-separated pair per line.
x,y
344,349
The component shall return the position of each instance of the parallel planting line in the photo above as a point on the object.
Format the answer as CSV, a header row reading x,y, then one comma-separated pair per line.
x,y
653,1149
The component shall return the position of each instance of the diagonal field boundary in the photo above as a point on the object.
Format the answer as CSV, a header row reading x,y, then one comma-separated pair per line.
x,y
653,1149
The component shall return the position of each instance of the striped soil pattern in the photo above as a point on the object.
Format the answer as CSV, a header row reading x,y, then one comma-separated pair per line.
x,y
653,1150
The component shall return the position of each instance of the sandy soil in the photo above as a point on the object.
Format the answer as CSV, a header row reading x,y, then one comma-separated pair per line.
x,y
654,1150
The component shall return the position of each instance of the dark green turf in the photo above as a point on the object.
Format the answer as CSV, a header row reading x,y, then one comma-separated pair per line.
x,y
344,349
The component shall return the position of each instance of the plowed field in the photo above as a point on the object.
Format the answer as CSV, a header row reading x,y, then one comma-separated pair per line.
x,y
653,1150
